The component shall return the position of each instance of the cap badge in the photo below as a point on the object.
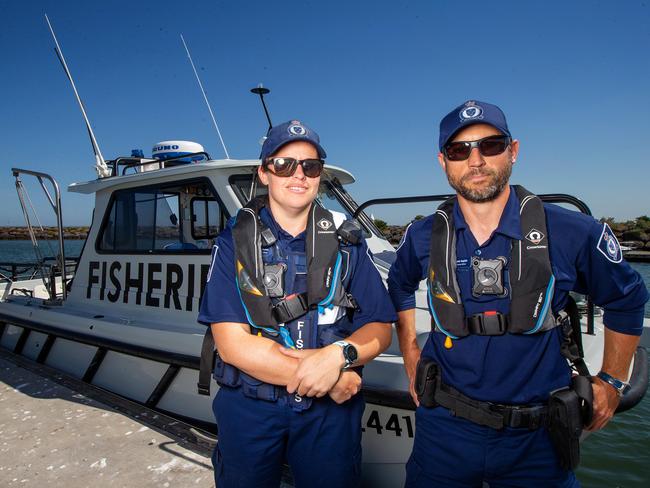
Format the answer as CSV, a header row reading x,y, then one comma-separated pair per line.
x,y
471,112
297,130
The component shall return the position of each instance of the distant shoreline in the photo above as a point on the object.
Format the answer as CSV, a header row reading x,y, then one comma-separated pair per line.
x,y
21,233
634,234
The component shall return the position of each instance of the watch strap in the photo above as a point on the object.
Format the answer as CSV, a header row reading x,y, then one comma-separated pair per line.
x,y
621,387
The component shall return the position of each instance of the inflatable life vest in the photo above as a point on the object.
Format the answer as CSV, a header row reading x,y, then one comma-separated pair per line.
x,y
294,298
268,309
531,277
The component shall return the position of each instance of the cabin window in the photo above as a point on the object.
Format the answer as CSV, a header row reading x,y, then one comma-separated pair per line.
x,y
208,218
243,185
176,218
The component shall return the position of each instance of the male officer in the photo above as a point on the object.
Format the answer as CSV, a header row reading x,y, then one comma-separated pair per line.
x,y
293,300
499,266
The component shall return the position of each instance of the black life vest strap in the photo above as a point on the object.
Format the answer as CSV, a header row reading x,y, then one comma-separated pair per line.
x,y
206,365
571,349
290,308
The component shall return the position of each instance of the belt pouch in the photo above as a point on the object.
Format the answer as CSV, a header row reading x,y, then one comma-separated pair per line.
x,y
426,376
225,374
565,426
254,388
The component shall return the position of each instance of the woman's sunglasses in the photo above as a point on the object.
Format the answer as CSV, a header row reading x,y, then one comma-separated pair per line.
x,y
488,146
287,166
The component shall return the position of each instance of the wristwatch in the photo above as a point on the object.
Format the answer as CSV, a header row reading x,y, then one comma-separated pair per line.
x,y
349,353
621,387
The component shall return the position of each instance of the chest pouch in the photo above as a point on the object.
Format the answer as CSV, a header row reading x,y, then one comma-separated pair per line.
x,y
488,277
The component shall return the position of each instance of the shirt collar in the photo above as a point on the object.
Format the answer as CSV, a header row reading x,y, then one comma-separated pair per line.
x,y
509,224
267,218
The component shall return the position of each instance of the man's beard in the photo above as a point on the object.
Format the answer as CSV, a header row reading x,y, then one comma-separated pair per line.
x,y
498,179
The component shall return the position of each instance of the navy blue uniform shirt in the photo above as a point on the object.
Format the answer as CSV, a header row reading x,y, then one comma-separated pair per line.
x,y
515,368
221,301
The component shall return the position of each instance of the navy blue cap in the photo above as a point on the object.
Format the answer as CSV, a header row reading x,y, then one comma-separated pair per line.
x,y
470,113
290,131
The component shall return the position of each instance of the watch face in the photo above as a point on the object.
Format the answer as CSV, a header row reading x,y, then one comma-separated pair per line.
x,y
350,353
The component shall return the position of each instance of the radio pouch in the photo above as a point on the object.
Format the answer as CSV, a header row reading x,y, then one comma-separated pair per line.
x,y
426,377
565,426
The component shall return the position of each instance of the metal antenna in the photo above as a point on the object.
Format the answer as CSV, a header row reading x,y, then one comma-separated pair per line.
x,y
214,121
100,163
261,91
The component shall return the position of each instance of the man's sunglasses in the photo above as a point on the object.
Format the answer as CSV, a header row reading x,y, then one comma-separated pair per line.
x,y
488,146
287,166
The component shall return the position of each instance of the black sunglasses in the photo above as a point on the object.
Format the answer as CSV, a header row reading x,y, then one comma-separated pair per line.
x,y
287,166
488,146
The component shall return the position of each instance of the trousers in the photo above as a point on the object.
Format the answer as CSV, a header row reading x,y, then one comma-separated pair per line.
x,y
453,452
322,444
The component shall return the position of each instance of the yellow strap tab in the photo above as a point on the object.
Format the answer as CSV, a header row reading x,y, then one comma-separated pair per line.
x,y
448,343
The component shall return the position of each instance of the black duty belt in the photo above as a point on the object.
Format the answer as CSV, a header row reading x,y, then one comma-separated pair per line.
x,y
432,392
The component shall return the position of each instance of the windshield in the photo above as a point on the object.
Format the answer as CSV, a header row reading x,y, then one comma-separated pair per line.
x,y
331,195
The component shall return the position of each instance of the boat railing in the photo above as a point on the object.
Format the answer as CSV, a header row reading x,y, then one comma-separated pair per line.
x,y
548,197
126,163
18,271
46,270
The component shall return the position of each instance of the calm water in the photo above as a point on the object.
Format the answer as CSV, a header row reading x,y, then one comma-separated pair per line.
x,y
618,456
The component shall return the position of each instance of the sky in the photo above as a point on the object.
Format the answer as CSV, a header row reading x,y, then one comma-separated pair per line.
x,y
373,78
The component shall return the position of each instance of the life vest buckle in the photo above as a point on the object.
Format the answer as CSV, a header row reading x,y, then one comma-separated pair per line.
x,y
490,323
291,308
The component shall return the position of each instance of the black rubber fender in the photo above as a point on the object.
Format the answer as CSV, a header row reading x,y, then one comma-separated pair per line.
x,y
638,381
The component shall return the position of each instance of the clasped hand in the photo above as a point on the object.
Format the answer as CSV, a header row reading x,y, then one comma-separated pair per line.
x,y
606,401
319,373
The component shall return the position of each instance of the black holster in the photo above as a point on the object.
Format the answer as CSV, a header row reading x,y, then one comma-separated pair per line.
x,y
426,376
569,410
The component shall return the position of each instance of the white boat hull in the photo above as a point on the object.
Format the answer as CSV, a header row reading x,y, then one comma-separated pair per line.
x,y
114,356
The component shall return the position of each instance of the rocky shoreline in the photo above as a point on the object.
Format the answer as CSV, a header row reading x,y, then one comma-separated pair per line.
x,y
47,233
634,233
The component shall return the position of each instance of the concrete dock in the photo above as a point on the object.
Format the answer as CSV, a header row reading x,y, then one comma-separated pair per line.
x,y
54,434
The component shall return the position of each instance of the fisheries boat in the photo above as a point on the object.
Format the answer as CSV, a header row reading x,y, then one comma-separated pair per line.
x,y
123,315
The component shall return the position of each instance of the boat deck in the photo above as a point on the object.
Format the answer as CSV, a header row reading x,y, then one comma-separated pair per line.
x,y
57,431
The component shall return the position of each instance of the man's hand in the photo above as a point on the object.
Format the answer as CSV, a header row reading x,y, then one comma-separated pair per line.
x,y
318,370
346,387
411,358
617,356
606,401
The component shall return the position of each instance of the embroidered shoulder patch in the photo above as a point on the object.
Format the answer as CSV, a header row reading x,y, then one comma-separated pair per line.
x,y
608,245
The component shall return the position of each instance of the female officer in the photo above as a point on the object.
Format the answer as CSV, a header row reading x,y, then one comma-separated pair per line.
x,y
293,302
